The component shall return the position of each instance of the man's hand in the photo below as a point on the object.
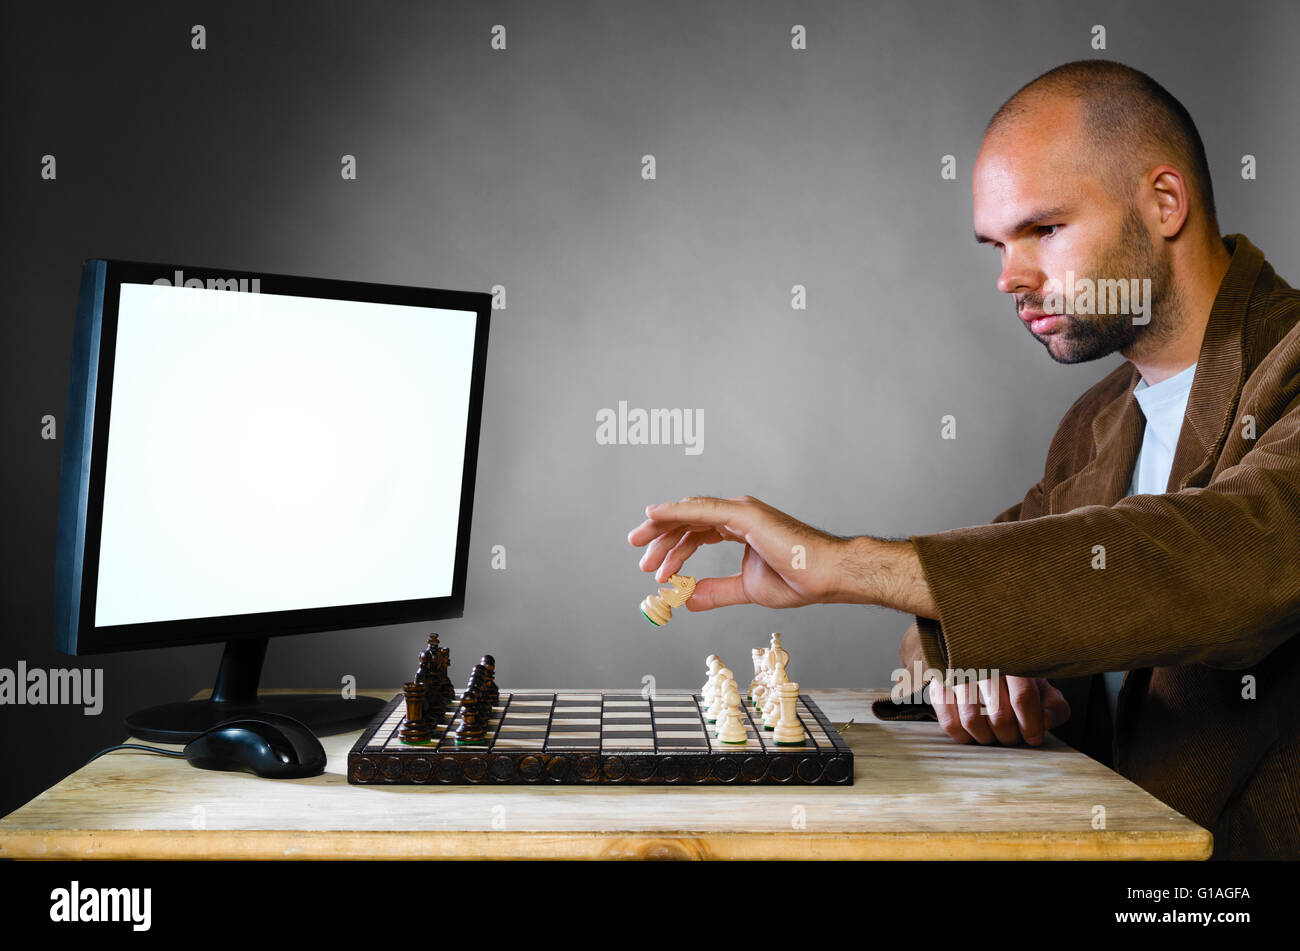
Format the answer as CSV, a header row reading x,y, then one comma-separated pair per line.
x,y
774,544
786,564
1018,707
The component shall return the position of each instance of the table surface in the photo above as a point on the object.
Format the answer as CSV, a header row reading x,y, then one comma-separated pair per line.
x,y
916,794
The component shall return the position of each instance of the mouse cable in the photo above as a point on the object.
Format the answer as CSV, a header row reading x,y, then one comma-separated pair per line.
x,y
134,746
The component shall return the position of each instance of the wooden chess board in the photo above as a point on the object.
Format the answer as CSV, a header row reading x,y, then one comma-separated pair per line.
x,y
600,736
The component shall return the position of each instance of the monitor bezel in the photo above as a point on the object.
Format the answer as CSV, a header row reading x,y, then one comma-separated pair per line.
x,y
85,637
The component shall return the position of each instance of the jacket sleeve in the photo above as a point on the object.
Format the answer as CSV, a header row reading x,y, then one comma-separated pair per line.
x,y
911,648
1206,575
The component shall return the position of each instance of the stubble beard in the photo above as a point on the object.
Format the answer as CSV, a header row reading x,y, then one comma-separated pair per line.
x,y
1079,338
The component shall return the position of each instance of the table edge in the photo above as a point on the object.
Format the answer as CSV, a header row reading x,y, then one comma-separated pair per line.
x,y
1193,844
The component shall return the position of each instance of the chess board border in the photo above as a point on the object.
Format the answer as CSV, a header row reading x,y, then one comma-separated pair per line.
x,y
482,766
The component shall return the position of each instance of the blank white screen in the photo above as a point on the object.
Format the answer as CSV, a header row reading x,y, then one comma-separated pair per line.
x,y
271,453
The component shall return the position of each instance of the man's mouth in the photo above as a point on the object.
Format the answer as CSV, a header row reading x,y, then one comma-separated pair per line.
x,y
1039,322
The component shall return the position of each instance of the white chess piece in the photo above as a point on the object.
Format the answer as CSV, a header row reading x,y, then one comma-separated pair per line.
x,y
776,653
772,698
719,710
789,731
721,722
658,608
764,686
710,687
757,653
724,678
726,710
732,729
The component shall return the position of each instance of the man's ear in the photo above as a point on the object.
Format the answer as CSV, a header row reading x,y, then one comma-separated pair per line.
x,y
1171,199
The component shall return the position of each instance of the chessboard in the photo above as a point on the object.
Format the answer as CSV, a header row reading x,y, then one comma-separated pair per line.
x,y
616,737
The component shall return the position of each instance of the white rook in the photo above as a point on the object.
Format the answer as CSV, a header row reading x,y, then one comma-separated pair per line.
x,y
789,731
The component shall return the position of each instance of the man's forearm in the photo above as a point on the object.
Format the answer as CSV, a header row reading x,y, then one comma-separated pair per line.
x,y
885,572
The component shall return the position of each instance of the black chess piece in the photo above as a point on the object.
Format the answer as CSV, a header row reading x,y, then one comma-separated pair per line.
x,y
490,689
475,686
414,728
479,690
473,726
431,678
426,675
444,679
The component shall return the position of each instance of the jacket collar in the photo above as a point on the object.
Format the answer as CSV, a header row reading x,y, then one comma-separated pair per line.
x,y
1118,426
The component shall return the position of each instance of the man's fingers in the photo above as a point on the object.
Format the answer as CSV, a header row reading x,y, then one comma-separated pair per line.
x,y
649,530
1056,709
968,709
945,708
1028,707
1034,706
694,513
676,557
661,546
1001,715
717,592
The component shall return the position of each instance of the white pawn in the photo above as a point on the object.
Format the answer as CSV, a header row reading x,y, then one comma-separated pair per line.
x,y
772,697
730,728
721,723
714,663
757,653
789,731
771,707
764,685
724,712
723,680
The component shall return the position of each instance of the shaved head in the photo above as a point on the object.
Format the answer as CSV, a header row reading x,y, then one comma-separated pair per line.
x,y
1128,124
1094,171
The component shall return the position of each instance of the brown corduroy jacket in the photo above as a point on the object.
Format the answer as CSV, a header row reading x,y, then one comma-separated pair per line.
x,y
1199,596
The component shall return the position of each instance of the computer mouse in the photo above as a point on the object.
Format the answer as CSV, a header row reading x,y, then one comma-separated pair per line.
x,y
270,745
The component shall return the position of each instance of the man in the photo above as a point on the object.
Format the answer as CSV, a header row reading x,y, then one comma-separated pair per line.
x,y
1161,548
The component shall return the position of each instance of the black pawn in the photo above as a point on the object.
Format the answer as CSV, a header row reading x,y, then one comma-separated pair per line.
x,y
472,728
492,692
475,685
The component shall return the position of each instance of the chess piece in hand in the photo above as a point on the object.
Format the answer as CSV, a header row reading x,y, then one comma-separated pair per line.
x,y
786,564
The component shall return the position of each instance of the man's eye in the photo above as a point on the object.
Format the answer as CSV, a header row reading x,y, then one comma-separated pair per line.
x,y
1046,231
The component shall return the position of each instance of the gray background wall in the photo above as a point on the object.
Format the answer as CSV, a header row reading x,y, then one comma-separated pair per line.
x,y
522,168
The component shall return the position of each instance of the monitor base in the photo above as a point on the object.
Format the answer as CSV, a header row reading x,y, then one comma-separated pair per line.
x,y
323,714
235,694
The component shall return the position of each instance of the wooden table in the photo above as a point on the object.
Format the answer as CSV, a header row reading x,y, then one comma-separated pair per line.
x,y
916,795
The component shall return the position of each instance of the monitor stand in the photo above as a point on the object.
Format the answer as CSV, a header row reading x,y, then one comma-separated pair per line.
x,y
235,694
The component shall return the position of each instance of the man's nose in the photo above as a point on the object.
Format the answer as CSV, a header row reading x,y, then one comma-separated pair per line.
x,y
1017,276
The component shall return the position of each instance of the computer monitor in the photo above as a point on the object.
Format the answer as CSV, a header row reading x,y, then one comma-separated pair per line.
x,y
253,455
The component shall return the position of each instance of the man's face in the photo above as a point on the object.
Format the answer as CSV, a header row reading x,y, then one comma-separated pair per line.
x,y
1048,213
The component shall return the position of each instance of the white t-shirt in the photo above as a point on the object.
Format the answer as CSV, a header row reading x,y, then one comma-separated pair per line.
x,y
1163,406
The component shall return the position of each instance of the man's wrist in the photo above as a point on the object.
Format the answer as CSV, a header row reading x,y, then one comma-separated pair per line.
x,y
882,571
857,562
